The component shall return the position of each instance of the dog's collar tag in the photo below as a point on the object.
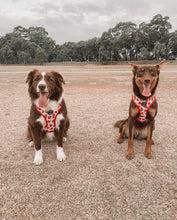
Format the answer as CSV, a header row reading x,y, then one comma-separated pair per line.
x,y
50,112
143,104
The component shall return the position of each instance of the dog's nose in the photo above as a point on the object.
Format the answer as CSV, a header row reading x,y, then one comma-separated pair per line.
x,y
42,87
147,81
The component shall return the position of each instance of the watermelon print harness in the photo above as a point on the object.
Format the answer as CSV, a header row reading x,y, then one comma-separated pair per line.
x,y
143,106
50,118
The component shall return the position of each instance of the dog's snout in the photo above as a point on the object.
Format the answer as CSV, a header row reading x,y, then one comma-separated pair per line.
x,y
42,87
147,81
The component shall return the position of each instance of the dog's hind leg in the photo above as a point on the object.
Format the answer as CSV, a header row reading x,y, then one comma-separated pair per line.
x,y
122,125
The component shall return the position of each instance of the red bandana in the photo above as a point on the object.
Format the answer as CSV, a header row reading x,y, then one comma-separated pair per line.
x,y
143,106
50,118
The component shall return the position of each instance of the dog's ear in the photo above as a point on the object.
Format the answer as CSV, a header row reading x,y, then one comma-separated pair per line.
x,y
59,77
159,65
30,77
134,67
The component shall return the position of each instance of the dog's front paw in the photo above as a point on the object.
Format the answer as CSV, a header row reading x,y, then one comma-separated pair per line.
x,y
120,140
60,154
38,159
130,155
148,154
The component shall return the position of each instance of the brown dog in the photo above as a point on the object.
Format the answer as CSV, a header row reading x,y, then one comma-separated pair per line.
x,y
48,115
143,108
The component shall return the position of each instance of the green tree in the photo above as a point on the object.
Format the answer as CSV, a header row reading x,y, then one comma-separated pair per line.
x,y
39,36
143,54
125,41
7,55
21,32
159,50
41,56
160,27
122,37
24,57
172,45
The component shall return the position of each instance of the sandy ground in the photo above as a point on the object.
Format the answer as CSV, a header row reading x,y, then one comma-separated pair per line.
x,y
96,181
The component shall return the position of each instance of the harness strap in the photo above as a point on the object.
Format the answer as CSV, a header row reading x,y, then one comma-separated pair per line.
x,y
143,106
50,118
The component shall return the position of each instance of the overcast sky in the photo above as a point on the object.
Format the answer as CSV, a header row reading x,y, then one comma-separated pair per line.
x,y
75,20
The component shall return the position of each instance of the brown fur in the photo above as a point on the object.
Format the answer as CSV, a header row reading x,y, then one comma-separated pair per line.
x,y
35,130
141,74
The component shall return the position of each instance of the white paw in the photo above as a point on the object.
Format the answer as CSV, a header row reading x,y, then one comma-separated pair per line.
x,y
64,139
60,154
31,144
38,159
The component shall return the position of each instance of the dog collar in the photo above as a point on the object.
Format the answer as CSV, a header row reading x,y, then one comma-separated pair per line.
x,y
50,118
143,106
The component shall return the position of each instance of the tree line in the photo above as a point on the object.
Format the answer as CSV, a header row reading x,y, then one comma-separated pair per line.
x,y
125,41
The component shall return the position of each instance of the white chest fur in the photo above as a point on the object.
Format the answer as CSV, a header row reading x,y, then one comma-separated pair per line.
x,y
42,121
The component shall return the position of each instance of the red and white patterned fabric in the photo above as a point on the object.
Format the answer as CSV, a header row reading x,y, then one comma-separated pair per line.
x,y
143,106
50,118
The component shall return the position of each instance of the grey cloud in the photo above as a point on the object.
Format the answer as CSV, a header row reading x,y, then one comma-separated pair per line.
x,y
86,7
80,20
71,30
13,1
43,8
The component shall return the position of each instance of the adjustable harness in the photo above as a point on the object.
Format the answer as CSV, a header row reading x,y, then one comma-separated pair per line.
x,y
50,118
143,106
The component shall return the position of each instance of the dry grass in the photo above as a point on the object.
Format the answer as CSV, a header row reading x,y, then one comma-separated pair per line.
x,y
96,181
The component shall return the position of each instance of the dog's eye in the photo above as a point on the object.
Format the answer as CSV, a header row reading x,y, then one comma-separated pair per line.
x,y
36,79
50,79
139,74
154,74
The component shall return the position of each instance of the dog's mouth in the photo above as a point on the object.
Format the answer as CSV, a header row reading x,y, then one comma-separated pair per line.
x,y
146,89
43,99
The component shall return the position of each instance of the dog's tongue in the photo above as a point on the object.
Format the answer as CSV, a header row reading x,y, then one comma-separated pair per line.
x,y
43,100
146,90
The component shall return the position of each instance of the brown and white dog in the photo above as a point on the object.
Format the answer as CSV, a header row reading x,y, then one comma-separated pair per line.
x,y
48,115
143,108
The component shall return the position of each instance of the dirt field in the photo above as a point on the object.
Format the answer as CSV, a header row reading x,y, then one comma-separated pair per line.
x,y
96,181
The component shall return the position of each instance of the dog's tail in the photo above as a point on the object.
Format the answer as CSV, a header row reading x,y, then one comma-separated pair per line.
x,y
120,124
